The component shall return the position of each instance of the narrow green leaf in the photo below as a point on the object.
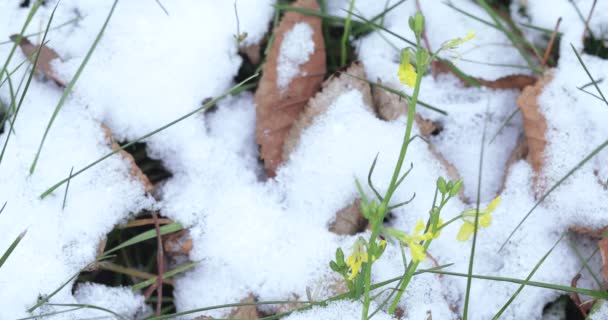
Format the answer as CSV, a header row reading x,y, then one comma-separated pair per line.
x,y
166,275
12,247
70,86
166,229
580,60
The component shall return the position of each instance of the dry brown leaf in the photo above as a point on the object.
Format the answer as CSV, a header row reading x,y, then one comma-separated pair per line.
x,y
178,243
514,81
596,233
535,124
252,52
277,109
47,55
135,170
349,220
246,312
603,245
332,88
390,106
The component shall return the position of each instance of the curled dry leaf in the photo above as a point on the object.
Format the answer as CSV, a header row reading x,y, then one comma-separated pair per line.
x,y
178,243
277,108
47,55
390,106
135,170
349,220
332,88
246,312
535,124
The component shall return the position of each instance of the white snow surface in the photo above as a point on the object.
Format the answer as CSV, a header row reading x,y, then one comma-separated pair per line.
x,y
296,48
270,238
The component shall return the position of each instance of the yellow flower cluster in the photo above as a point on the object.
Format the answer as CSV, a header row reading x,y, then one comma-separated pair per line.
x,y
485,219
359,256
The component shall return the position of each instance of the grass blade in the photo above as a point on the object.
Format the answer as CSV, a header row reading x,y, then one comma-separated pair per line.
x,y
580,60
530,275
29,80
204,107
166,229
12,247
557,184
504,124
70,86
166,275
585,263
476,223
88,306
346,34
30,15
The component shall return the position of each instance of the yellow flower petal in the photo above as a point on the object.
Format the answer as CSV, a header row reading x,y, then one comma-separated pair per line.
x,y
465,232
419,227
438,230
417,251
493,205
407,74
485,220
470,35
382,244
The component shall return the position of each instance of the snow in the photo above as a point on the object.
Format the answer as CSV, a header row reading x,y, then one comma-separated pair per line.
x,y
296,48
270,238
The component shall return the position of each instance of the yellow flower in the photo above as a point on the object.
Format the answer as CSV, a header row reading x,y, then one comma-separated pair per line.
x,y
356,259
485,219
413,240
407,74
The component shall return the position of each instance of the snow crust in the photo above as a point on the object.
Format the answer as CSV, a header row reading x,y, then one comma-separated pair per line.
x,y
296,48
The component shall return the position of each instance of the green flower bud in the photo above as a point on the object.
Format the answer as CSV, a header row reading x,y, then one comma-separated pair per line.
x,y
441,186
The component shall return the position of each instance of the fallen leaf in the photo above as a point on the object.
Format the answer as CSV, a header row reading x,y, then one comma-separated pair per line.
x,y
535,125
596,233
252,52
47,55
277,108
134,169
515,81
331,89
246,312
349,220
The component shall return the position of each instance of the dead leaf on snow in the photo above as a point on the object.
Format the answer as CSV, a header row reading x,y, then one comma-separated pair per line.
x,y
349,220
47,55
332,88
277,109
246,312
134,169
535,125
514,81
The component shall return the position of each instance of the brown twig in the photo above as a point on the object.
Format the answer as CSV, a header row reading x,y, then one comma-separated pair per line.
x,y
145,222
588,19
550,46
576,298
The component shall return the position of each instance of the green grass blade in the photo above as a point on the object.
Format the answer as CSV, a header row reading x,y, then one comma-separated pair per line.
x,y
346,34
166,275
204,107
166,229
29,80
30,15
70,86
504,124
12,247
476,223
580,60
589,292
44,315
585,263
67,187
516,41
88,306
557,184
59,26
530,275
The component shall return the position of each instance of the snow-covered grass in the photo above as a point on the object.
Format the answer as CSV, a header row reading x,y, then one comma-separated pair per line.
x,y
146,79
